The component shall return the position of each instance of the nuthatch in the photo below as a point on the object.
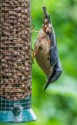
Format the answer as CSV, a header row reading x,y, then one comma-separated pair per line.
x,y
46,52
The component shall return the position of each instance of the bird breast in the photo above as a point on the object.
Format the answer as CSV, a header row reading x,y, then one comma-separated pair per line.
x,y
42,51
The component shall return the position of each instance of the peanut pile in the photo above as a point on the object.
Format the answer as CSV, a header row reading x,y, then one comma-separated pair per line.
x,y
15,46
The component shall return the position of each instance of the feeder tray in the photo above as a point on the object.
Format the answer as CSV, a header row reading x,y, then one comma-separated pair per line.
x,y
15,61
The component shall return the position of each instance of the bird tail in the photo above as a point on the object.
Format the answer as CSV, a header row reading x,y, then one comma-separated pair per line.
x,y
46,14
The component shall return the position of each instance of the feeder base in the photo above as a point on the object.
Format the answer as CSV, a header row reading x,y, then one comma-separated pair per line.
x,y
26,115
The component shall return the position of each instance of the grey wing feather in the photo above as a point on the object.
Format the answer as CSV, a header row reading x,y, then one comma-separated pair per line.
x,y
53,49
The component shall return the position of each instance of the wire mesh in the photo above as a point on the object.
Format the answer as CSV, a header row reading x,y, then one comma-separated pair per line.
x,y
15,53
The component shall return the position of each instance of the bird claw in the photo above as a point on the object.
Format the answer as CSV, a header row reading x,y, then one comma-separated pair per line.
x,y
34,31
33,55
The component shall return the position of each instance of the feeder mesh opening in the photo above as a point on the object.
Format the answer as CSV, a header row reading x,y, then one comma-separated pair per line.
x,y
15,50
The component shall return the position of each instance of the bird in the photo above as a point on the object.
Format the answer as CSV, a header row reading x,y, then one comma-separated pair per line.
x,y
46,51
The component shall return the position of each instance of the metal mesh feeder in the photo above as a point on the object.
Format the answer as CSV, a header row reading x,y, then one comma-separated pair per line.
x,y
15,61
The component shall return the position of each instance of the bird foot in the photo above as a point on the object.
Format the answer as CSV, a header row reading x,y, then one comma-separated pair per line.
x,y
33,56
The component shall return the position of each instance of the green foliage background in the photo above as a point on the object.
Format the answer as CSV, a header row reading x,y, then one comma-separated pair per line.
x,y
58,105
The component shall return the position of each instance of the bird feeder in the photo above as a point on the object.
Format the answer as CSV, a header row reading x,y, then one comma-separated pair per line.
x,y
15,61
